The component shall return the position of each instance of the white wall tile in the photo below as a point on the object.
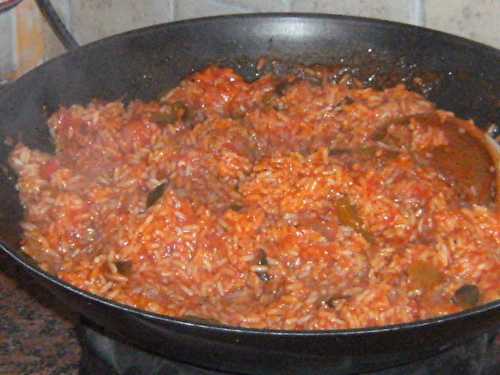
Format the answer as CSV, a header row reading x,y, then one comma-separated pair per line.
x,y
474,19
395,10
185,9
96,19
6,43
261,5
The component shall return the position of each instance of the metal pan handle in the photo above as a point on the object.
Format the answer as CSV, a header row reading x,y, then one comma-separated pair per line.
x,y
57,25
55,22
5,5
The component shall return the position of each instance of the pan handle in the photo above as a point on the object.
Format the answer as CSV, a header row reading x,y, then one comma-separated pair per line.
x,y
57,25
5,5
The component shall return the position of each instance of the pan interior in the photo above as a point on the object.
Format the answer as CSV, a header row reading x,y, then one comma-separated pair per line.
x,y
459,75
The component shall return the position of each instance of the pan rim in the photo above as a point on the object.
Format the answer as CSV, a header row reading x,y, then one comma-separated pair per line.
x,y
29,265
485,48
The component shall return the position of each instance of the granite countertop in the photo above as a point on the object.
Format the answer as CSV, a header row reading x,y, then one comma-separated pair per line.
x,y
37,334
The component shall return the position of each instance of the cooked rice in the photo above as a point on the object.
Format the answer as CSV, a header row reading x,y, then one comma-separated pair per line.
x,y
247,231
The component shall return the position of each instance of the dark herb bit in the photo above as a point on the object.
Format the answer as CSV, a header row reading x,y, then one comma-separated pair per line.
x,y
338,107
313,76
236,207
350,82
379,134
268,98
280,106
237,114
367,235
282,87
200,320
466,296
179,109
163,118
264,276
155,194
334,300
339,151
193,117
424,276
348,100
262,261
367,152
372,152
171,113
279,68
392,154
124,267
347,214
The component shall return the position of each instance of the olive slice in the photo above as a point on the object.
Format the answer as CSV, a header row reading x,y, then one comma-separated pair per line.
x,y
466,296
124,267
155,194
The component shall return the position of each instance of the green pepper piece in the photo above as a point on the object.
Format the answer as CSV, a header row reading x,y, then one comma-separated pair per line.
x,y
348,215
423,275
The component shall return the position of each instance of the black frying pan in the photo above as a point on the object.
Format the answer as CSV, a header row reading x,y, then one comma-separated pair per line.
x,y
143,63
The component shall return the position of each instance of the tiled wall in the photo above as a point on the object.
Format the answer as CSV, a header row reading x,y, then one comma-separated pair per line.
x,y
94,19
6,39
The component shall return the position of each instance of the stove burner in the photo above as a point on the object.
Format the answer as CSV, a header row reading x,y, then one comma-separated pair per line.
x,y
104,354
